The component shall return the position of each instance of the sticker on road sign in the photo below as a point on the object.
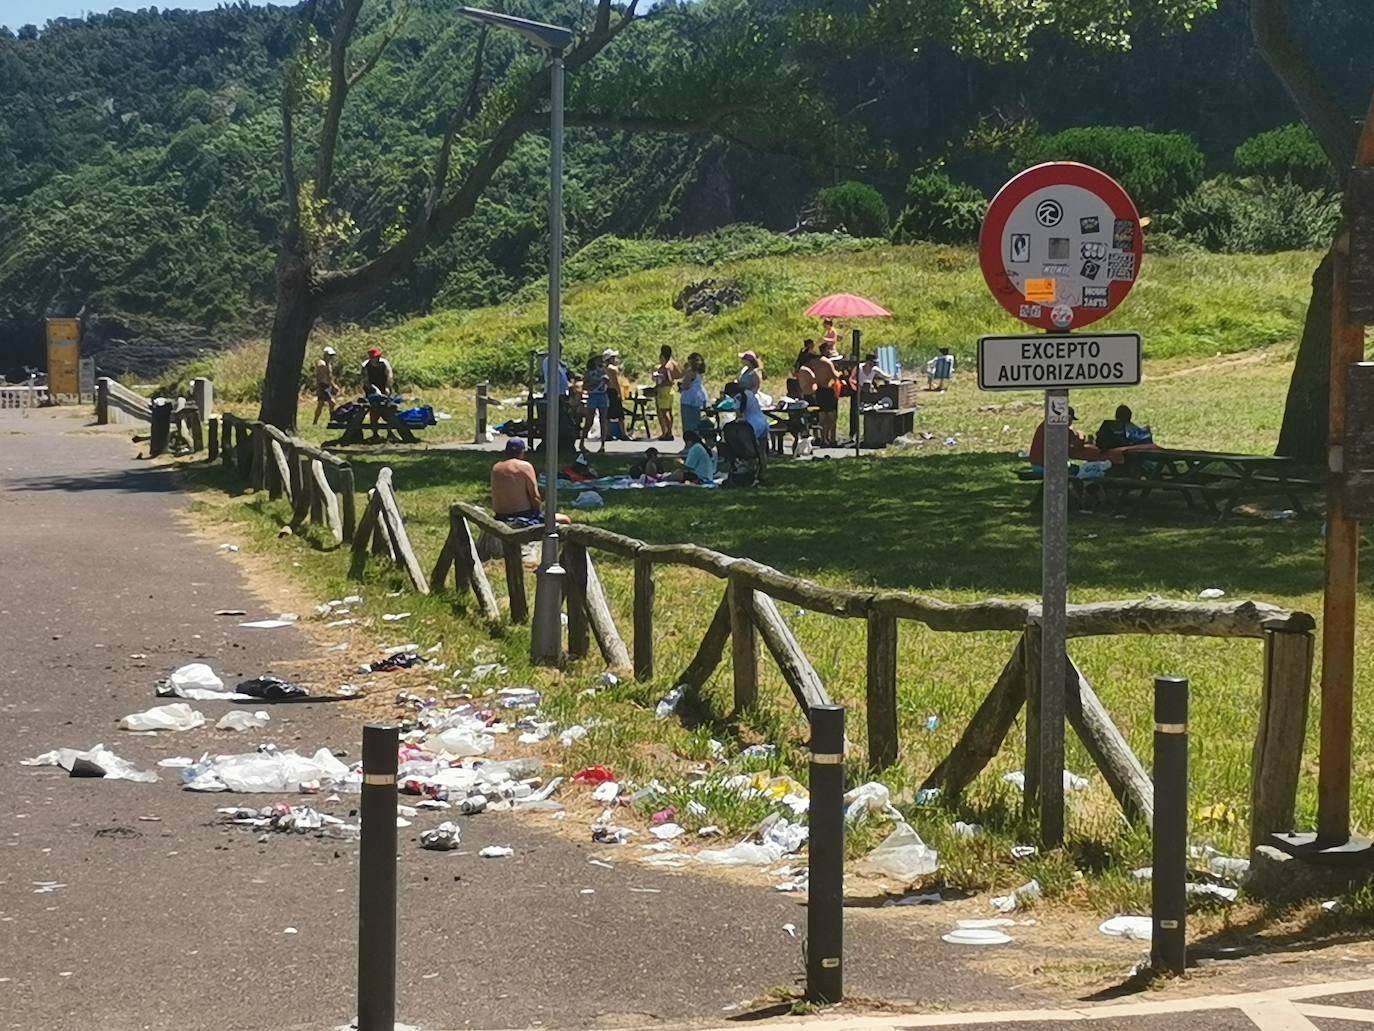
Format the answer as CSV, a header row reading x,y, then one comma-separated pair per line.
x,y
1063,361
1067,222
1058,411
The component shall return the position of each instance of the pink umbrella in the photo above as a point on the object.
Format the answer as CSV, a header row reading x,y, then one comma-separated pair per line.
x,y
846,306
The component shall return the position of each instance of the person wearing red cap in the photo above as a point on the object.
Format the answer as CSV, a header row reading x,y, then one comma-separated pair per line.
x,y
379,382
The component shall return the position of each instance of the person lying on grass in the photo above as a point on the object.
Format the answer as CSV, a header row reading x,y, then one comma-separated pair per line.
x,y
515,490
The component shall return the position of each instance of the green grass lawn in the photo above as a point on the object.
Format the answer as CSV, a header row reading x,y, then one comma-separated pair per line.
x,y
1194,306
949,520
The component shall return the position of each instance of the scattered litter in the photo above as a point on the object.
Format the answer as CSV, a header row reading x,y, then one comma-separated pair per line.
x,y
976,936
496,852
607,679
759,752
667,705
443,838
932,722
667,831
1211,593
646,891
196,682
459,742
601,863
573,734
666,815
395,617
597,774
992,921
1286,513
228,547
744,854
1137,928
587,891
1216,891
241,720
607,791
176,762
285,619
967,830
98,761
1072,781
709,831
1019,852
270,688
395,661
1028,892
270,771
231,612
290,930
869,798
609,835
901,856
801,882
177,716
790,930
1334,905
488,669
1228,867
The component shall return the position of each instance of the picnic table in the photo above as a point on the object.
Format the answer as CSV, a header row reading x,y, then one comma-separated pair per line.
x,y
1213,481
353,426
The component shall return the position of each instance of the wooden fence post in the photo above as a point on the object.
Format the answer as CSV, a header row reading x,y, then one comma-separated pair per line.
x,y
468,569
575,588
1277,759
644,618
102,401
257,460
348,502
313,472
275,471
329,501
212,438
711,649
602,621
802,678
244,450
514,558
299,471
1123,771
744,644
402,552
882,691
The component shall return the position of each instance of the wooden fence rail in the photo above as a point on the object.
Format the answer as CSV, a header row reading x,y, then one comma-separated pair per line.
x,y
748,612
319,485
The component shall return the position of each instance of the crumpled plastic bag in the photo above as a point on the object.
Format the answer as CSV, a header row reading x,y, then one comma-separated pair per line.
x,y
176,716
459,742
241,720
98,761
746,853
259,772
195,676
901,856
589,499
869,798
1072,781
1028,892
271,688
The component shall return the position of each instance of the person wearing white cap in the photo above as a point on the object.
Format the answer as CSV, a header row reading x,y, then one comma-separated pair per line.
x,y
326,384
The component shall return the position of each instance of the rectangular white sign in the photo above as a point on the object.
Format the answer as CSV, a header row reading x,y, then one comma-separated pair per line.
x,y
1059,361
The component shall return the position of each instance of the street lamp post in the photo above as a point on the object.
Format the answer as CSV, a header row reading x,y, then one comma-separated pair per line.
x,y
546,635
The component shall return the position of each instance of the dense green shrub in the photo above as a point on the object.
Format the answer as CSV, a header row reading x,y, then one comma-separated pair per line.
x,y
1157,169
856,208
1255,216
939,209
1289,152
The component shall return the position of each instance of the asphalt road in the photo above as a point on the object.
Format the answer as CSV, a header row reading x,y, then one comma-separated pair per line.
x,y
126,906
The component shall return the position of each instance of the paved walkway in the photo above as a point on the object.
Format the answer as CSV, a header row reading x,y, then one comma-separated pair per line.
x,y
126,906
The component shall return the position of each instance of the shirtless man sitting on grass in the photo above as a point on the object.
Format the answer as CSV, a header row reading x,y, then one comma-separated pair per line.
x,y
514,489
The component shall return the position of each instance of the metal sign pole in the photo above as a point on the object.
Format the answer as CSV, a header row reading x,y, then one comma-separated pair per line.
x,y
1054,599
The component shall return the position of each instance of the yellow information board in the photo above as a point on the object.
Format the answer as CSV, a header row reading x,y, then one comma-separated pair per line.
x,y
64,355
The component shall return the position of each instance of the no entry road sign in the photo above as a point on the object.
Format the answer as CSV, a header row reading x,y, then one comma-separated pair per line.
x,y
1061,245
1059,361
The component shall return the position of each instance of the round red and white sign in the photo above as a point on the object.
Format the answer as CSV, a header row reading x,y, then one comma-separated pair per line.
x,y
1061,245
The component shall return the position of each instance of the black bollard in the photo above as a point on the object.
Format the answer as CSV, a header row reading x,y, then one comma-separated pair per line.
x,y
1169,883
825,896
377,882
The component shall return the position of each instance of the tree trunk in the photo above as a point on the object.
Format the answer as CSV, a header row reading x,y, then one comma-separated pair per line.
x,y
295,318
1304,431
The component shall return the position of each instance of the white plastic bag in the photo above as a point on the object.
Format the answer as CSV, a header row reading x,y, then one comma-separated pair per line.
x,y
196,675
176,716
902,856
113,766
746,853
240,719
459,743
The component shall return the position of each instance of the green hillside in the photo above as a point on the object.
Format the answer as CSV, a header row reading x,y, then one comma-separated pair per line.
x,y
1187,306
